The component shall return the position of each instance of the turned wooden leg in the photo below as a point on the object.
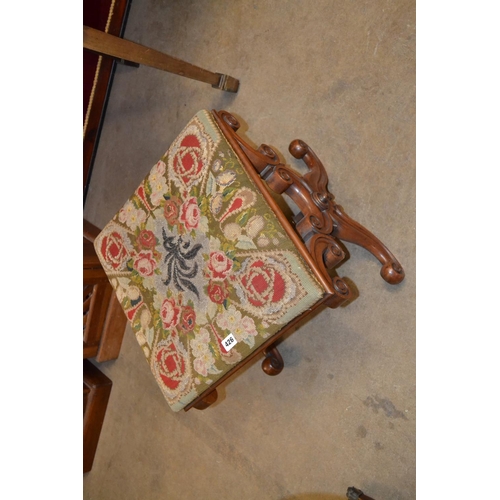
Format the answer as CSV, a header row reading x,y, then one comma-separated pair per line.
x,y
273,362
208,400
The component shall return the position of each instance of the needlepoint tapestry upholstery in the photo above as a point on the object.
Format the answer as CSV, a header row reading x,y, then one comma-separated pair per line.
x,y
196,254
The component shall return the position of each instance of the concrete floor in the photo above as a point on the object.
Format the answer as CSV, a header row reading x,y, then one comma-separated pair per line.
x,y
340,75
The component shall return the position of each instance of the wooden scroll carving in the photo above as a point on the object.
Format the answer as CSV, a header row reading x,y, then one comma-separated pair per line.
x,y
319,224
320,221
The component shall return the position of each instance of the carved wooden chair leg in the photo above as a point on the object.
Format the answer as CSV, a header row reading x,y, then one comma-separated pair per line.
x,y
208,400
273,362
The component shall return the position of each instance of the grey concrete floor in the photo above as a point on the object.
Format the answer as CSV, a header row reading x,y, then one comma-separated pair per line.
x,y
341,76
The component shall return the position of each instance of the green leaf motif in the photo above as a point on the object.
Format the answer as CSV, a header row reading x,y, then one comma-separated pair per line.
x,y
228,193
243,218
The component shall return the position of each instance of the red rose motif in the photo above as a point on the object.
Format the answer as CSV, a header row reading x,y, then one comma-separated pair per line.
x,y
188,319
171,210
219,265
217,293
190,214
113,250
170,365
263,284
146,239
169,313
188,162
145,263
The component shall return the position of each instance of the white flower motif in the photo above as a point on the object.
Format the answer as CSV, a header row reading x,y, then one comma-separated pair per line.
x,y
204,363
232,231
131,216
242,328
198,349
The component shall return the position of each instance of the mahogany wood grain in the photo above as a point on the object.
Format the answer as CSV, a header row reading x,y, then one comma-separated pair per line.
x,y
96,391
112,332
273,362
209,399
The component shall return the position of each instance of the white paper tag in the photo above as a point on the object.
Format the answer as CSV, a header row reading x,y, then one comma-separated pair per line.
x,y
229,342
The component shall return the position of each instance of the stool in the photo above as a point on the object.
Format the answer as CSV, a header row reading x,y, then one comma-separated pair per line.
x,y
207,267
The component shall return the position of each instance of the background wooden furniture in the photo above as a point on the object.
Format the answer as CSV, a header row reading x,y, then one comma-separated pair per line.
x,y
104,43
109,16
96,391
103,319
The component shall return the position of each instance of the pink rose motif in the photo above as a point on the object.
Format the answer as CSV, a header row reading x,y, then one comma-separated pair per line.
x,y
263,283
146,239
217,293
113,250
145,263
188,319
170,365
169,313
219,265
188,162
190,214
171,210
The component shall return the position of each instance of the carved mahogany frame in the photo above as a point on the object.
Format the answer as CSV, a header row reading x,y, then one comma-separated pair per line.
x,y
319,225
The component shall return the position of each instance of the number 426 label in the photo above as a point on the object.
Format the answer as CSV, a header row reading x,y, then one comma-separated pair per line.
x,y
229,342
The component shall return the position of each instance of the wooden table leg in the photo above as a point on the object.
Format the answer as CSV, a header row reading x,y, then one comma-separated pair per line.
x,y
104,43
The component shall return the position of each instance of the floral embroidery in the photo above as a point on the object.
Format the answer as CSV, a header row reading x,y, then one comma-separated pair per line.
x,y
204,359
189,156
219,265
171,367
188,319
146,239
113,250
190,214
243,328
169,313
267,286
196,254
217,292
157,183
181,268
171,210
130,215
145,263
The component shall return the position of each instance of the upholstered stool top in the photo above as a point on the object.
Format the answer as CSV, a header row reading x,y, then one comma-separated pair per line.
x,y
196,255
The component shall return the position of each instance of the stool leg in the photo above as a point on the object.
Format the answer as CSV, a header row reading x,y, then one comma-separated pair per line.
x,y
208,400
273,363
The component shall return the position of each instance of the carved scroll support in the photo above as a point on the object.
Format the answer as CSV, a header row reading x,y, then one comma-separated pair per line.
x,y
344,227
320,220
348,229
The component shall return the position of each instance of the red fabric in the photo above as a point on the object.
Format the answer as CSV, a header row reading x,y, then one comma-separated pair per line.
x,y
95,15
